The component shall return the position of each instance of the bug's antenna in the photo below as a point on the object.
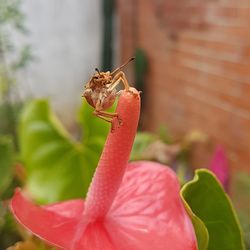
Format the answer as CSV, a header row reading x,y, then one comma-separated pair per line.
x,y
123,65
98,71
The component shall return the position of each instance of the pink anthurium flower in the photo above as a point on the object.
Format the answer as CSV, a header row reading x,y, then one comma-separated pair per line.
x,y
133,206
220,167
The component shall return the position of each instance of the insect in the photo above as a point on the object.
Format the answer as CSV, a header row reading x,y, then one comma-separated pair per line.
x,y
100,92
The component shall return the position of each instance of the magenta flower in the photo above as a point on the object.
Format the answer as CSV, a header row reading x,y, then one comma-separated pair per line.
x,y
220,167
133,206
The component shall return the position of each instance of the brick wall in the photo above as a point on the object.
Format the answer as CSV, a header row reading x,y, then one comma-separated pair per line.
x,y
199,67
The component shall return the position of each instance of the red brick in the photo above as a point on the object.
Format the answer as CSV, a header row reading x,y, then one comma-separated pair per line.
x,y
199,68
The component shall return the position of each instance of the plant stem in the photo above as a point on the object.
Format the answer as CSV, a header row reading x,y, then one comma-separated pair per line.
x,y
114,158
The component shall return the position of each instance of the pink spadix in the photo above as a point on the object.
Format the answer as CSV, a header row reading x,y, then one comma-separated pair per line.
x,y
133,206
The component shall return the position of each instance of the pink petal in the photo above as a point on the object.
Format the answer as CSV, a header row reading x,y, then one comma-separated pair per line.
x,y
148,211
147,214
56,224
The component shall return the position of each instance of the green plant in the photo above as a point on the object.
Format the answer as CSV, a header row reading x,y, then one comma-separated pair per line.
x,y
150,190
57,166
6,163
128,206
207,199
13,58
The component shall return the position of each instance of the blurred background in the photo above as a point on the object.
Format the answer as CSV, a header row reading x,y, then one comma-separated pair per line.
x,y
192,65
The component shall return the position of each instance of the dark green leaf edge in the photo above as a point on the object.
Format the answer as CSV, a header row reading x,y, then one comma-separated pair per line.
x,y
201,232
196,178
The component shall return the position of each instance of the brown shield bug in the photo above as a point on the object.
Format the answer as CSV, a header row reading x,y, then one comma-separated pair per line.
x,y
100,92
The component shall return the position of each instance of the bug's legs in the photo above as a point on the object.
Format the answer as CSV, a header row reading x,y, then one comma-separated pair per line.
x,y
113,85
108,117
120,76
105,118
100,112
107,114
111,115
97,114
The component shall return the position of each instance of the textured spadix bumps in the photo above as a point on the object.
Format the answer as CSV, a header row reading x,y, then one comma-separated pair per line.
x,y
133,206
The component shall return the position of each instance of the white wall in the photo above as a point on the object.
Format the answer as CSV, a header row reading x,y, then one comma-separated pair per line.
x,y
66,39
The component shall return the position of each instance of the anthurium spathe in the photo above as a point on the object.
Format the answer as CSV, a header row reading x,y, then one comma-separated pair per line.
x,y
133,206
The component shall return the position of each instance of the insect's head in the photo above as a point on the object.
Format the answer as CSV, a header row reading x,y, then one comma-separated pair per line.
x,y
100,79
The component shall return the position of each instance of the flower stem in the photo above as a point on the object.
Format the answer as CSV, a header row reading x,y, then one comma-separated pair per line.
x,y
114,158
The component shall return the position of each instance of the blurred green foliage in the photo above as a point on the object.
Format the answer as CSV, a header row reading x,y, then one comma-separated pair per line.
x,y
9,115
13,58
8,228
241,198
142,141
57,166
6,163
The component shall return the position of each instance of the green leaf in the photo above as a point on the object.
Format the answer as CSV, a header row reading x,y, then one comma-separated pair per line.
x,y
58,167
211,204
6,163
165,135
142,141
201,231
93,128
